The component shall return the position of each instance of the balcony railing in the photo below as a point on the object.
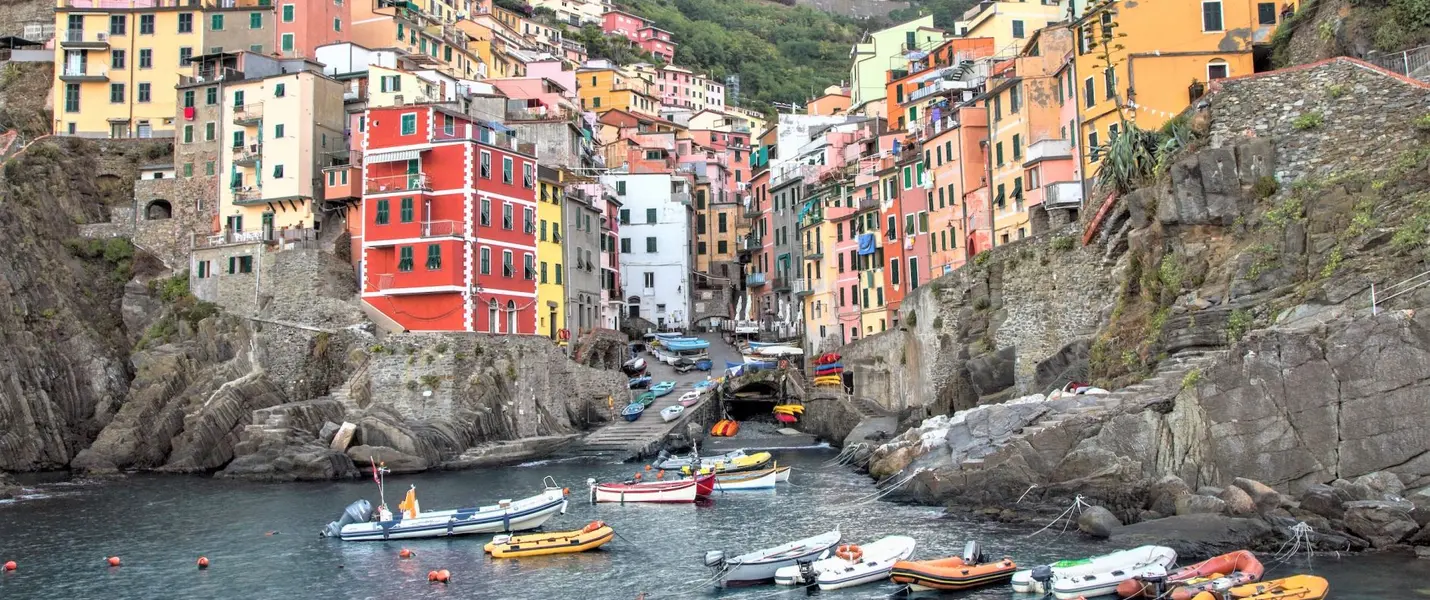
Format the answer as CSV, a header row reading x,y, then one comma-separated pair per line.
x,y
749,209
247,155
747,243
211,75
940,86
681,197
76,38
248,114
92,72
1062,194
1050,149
397,183
867,202
803,287
782,284
444,228
247,195
754,279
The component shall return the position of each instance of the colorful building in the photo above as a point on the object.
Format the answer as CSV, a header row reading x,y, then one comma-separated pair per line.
x,y
116,68
550,254
603,89
659,42
575,12
931,81
655,254
682,88
1010,22
449,219
429,34
886,50
303,26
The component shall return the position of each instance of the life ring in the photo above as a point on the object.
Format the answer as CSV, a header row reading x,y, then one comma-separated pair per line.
x,y
563,334
592,526
849,552
784,364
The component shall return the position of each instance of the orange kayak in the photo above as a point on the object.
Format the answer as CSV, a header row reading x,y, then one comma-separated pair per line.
x,y
1295,587
725,428
951,573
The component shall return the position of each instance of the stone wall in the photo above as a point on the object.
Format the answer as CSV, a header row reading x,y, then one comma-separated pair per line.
x,y
305,285
715,303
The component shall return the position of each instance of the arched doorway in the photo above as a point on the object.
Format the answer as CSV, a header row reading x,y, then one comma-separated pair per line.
x,y
158,210
633,307
511,316
493,317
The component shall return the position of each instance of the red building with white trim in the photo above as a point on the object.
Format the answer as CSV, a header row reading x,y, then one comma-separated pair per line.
x,y
449,222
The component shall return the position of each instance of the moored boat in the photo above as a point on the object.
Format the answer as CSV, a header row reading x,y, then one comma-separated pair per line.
x,y
410,522
1219,573
782,474
634,367
968,571
633,411
748,480
760,566
725,428
1096,576
660,492
662,388
671,413
637,383
851,564
594,535
671,463
646,399
689,399
1295,587
752,462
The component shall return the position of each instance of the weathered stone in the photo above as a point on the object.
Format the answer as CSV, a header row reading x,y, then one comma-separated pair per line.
x,y
1356,491
1193,505
289,460
1238,502
1263,495
1381,523
343,437
1166,492
1197,535
1141,205
328,432
1382,482
1221,185
397,462
1098,522
1324,500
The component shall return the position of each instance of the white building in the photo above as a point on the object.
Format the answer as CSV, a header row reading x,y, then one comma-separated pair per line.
x,y
575,12
655,221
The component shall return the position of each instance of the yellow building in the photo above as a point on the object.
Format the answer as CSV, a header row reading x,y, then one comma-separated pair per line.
x,y
1010,22
818,284
281,131
116,68
429,32
606,89
1028,137
550,283
1162,56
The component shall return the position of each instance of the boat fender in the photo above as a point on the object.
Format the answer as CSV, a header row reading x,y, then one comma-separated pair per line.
x,y
404,553
849,552
715,558
10,565
113,561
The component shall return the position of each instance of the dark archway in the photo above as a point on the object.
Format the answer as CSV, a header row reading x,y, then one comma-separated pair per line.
x,y
158,210
633,307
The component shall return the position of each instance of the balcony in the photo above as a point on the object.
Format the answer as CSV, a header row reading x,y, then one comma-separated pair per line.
x,y
77,38
1062,194
248,114
84,73
868,202
436,229
748,243
247,195
782,284
247,156
1048,150
811,218
397,183
755,280
749,210
210,75
339,180
941,86
681,197
802,287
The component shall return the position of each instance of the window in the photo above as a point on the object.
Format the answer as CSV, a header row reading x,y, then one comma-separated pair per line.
x,y
278,130
338,26
1089,96
1093,150
506,170
144,92
529,220
146,58
558,273
649,279
209,168
998,152
625,216
238,139
1218,69
507,218
529,266
434,257
118,24
625,245
188,99
382,216
277,171
1018,29
486,212
404,258
650,217
255,20
1266,13
210,131
1211,15
701,248
508,269
409,124
486,261
280,90
1017,146
1015,97
621,191
287,42
211,96
486,165
543,272
186,22
240,264
722,246
116,96
650,245
146,24
205,269
528,176
405,213
894,271
288,10
216,23
117,59
1109,82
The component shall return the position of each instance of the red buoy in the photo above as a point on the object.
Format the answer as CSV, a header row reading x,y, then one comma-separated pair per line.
x,y
439,576
10,565
405,553
203,562
113,561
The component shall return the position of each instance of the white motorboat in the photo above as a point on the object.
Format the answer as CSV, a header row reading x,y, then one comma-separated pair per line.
x,y
851,565
760,566
661,492
671,413
676,463
410,522
1096,576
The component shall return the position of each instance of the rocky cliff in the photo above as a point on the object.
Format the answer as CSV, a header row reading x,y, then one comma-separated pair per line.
x,y
1232,321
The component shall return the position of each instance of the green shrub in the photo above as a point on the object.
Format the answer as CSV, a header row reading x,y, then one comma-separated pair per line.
x,y
1191,378
1333,262
981,303
982,258
1064,243
1422,123
1308,121
431,381
1265,187
1411,234
1237,324
1337,90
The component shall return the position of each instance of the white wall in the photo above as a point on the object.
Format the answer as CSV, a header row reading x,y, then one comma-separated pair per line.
x,y
670,265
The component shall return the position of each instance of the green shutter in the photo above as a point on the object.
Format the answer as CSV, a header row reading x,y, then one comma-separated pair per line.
x,y
434,257
381,212
287,13
255,20
406,214
216,23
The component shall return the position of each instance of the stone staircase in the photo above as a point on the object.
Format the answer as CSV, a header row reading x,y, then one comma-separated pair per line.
x,y
622,440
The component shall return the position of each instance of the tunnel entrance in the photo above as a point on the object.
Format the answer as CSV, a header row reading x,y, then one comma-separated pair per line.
x,y
753,402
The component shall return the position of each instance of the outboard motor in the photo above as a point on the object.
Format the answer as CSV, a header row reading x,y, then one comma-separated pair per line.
x,y
1043,574
715,559
972,554
357,512
1154,579
806,572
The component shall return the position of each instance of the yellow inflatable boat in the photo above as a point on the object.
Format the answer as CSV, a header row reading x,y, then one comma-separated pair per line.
x,y
590,537
1295,587
752,462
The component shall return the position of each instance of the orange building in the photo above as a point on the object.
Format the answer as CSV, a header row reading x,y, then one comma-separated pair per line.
x,y
909,91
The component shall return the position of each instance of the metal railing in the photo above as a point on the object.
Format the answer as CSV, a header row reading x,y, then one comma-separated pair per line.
x,y
754,279
1379,296
1414,62
444,228
248,113
77,36
1062,193
396,183
85,71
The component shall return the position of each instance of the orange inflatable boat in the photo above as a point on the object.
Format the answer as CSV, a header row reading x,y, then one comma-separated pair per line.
x,y
955,573
1295,587
1218,573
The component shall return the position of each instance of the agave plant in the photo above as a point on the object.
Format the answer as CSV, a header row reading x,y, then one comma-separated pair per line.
x,y
1136,156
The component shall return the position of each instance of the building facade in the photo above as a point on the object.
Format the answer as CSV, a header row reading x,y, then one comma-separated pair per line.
x,y
552,268
656,263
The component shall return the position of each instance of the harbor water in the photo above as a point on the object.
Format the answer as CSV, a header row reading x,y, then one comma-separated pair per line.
x,y
262,540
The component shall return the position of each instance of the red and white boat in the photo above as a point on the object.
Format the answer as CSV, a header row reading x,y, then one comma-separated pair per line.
x,y
663,492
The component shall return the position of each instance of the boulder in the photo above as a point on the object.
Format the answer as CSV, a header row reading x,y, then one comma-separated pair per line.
x,y
1260,493
329,429
1200,535
1208,490
343,437
1382,523
1098,522
265,458
1192,505
1238,502
1382,482
8,489
1356,491
1324,500
1165,493
396,461
1421,538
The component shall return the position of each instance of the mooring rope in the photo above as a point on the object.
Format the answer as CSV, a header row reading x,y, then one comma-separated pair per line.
x,y
1077,506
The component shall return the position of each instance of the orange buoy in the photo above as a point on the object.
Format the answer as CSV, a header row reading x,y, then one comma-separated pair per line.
x,y
203,562
647,467
10,565
638,476
405,553
431,576
660,474
439,576
113,561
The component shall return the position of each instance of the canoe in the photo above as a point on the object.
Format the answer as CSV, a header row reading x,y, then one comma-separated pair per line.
x,y
689,399
782,474
671,463
663,388
749,480
971,570
633,411
1096,576
671,413
662,492
704,364
786,418
410,522
1217,573
592,536
646,399
827,358
1295,587
851,564
760,566
725,428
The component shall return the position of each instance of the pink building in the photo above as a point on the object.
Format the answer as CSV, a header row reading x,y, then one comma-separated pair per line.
x,y
303,25
682,88
556,71
641,32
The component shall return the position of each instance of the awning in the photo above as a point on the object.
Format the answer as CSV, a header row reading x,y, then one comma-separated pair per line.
x,y
387,157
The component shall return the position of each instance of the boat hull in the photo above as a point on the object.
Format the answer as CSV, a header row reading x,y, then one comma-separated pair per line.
x,y
544,544
522,515
1098,576
760,567
951,574
875,562
668,415
782,474
752,480
674,492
